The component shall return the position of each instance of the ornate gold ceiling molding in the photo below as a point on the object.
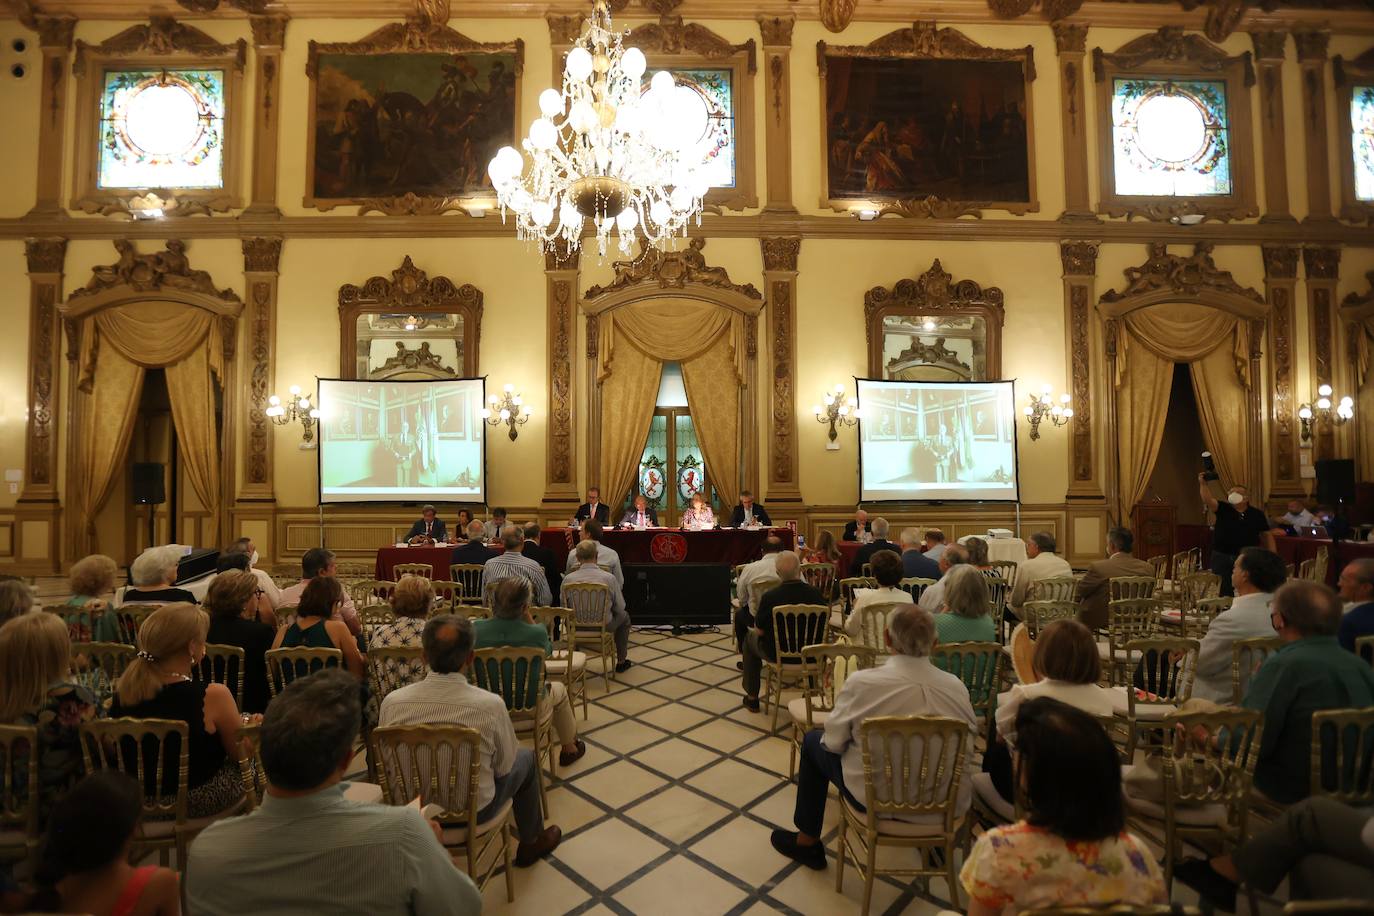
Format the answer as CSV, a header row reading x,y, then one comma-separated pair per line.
x,y
672,270
166,269
1171,44
162,36
413,35
1174,273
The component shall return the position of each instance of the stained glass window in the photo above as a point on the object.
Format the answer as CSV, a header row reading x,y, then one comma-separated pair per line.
x,y
1362,139
1170,138
712,90
162,129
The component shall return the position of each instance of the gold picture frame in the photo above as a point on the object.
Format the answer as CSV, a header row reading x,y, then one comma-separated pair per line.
x,y
936,293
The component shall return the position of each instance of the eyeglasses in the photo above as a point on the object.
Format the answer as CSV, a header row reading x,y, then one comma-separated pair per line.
x,y
259,592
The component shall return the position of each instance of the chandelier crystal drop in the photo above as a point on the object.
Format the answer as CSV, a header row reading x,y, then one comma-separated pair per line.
x,y
606,150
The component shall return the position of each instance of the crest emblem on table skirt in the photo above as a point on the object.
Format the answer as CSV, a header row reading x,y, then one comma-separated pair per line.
x,y
668,548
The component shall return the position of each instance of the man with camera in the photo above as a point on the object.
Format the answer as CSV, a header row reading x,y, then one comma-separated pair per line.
x,y
1238,525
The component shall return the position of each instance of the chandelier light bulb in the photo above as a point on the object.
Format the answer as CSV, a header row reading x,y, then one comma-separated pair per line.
x,y
314,413
578,66
305,403
1065,398
508,388
1029,411
857,414
526,411
517,400
295,390
633,64
543,135
1068,413
816,409
1347,401
844,410
505,414
274,400
550,103
486,414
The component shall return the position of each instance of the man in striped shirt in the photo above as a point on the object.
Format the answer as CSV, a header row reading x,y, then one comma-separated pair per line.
x,y
514,564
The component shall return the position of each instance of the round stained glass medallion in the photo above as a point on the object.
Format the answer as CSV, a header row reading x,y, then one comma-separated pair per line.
x,y
162,119
1171,128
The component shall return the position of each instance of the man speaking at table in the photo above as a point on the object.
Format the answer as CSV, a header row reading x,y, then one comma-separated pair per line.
x,y
428,528
593,508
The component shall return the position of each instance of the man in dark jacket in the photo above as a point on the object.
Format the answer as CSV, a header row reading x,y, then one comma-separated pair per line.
x,y
544,557
474,551
759,642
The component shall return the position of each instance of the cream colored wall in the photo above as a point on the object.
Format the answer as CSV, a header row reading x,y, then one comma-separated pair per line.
x,y
19,100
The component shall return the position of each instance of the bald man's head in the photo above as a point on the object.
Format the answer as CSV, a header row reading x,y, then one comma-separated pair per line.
x,y
789,565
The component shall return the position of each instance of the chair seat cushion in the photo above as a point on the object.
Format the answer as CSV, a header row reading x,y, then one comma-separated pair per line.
x,y
992,800
559,663
1213,815
837,620
797,709
164,828
363,793
456,834
1145,712
889,827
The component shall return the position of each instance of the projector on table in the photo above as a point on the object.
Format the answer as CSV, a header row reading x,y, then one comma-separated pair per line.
x,y
1000,533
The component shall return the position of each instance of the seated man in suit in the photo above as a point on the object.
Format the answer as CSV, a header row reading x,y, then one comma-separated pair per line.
x,y
760,641
428,528
475,550
880,542
544,557
495,525
642,515
915,564
857,530
593,508
749,514
1093,588
1041,563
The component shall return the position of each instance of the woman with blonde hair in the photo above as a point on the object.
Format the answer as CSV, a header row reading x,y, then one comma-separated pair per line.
x,y
36,689
16,597
158,685
825,550
232,602
699,514
91,579
967,612
411,601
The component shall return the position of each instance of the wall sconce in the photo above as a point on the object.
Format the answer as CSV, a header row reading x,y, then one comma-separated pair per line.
x,y
507,409
836,410
297,408
1042,407
1324,413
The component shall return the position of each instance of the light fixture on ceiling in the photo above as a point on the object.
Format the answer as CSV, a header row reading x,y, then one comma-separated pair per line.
x,y
606,150
866,214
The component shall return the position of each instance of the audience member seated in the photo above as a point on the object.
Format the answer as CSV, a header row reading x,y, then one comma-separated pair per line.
x,y
1310,672
760,642
158,685
933,598
887,569
1297,516
587,555
640,515
233,622
880,542
593,530
978,555
1237,525
237,561
1041,563
766,567
16,598
699,514
317,625
318,563
411,602
1094,589
934,540
544,557
857,528
445,697
83,865
246,547
512,625
749,514
1072,847
514,564
151,578
428,528
475,551
37,689
1068,667
1357,590
91,581
1255,577
915,564
825,550
492,528
965,613
907,684
1324,848
307,849
593,509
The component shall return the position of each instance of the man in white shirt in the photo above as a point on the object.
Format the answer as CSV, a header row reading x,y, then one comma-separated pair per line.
x,y
507,771
592,530
1297,514
907,684
765,567
933,598
1256,575
586,556
1041,563
492,528
318,561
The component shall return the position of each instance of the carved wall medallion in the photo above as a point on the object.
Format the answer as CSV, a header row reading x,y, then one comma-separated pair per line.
x,y
1079,257
835,14
169,268
934,293
780,253
1188,275
672,270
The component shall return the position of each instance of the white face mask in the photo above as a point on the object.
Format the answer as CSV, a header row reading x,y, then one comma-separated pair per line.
x,y
1235,499
253,560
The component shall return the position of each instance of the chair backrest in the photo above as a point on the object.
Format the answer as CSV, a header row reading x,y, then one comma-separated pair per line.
x,y
393,667
796,626
1132,618
821,577
1307,569
413,569
979,666
913,766
1037,614
130,617
873,624
285,665
1196,586
1160,564
1216,770
446,596
438,763
347,573
1246,657
19,799
1196,619
915,586
848,586
758,587
286,614
866,570
1364,648
81,621
371,591
251,772
558,622
1053,588
1343,755
104,663
376,615
1126,588
514,672
1323,563
155,752
1007,570
489,593
1171,680
826,666
590,603
222,664
469,576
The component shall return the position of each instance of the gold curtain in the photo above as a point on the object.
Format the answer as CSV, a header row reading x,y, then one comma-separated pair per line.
x,y
674,331
1142,403
713,395
193,413
1221,404
1183,332
628,398
112,404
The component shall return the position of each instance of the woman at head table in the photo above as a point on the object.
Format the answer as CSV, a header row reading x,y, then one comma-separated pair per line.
x,y
698,514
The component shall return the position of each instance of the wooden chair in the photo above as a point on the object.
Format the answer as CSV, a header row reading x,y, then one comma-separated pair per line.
x,y
19,794
222,664
1172,681
1206,783
440,765
1128,619
1343,755
1054,588
825,668
1160,565
590,604
376,615
393,667
349,573
1182,564
371,591
566,663
915,586
286,614
873,625
251,772
81,622
447,596
489,593
1036,614
1195,587
979,666
130,617
1130,588
1246,657
1307,569
1194,621
142,749
821,577
97,665
1364,648
1007,570
795,626
847,587
1323,563
866,570
759,587
516,674
928,755
285,665
469,576
999,592
423,570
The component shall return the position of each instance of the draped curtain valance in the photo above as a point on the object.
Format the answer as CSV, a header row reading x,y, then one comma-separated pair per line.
x,y
151,334
1182,332
673,331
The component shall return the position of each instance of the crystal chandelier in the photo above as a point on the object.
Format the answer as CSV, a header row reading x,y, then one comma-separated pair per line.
x,y
606,150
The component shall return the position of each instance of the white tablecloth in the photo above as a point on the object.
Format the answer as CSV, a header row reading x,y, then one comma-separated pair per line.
x,y
1013,549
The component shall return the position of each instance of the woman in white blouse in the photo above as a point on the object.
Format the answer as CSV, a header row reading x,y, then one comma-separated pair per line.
x,y
887,569
1068,666
698,514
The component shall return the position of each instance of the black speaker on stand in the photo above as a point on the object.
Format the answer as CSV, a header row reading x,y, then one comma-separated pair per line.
x,y
1336,481
149,491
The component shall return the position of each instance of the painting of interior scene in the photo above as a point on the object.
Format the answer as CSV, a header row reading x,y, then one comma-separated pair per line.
x,y
390,124
939,436
934,348
902,129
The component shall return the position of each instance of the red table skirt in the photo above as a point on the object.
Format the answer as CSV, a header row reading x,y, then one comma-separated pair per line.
x,y
1293,549
847,551
438,557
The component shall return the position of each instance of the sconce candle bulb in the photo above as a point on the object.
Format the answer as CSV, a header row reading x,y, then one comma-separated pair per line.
x,y
1043,406
837,410
1323,412
509,409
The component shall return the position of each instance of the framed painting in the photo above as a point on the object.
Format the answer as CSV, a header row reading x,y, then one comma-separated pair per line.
x,y
926,122
405,121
